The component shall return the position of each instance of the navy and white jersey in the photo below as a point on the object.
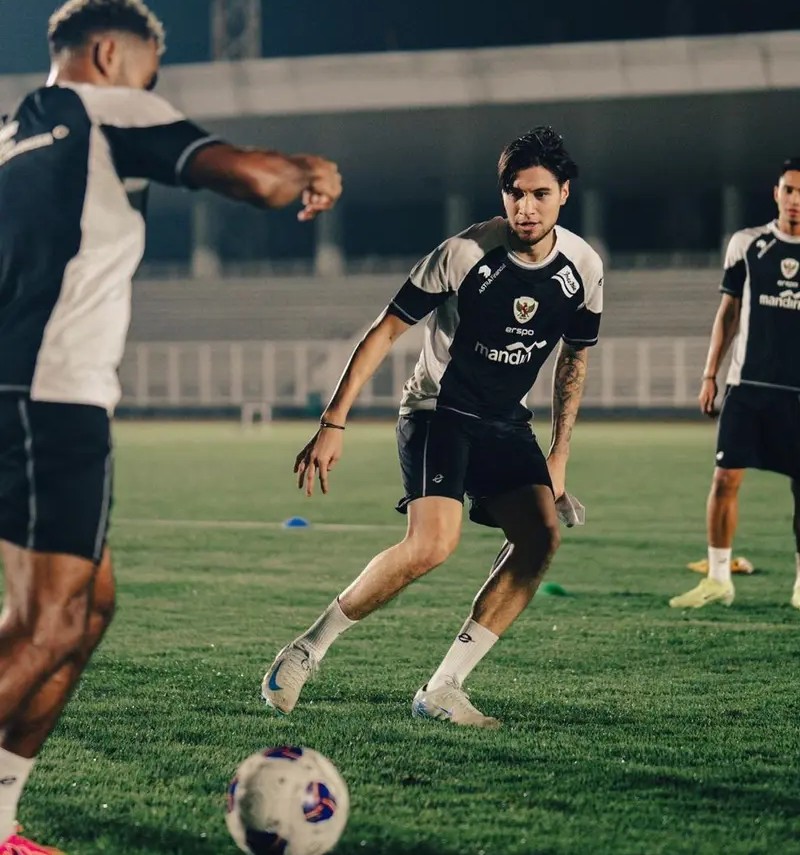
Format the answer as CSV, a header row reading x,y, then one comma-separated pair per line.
x,y
761,269
74,162
494,318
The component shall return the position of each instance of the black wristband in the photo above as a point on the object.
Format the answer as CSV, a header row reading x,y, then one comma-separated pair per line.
x,y
709,377
324,424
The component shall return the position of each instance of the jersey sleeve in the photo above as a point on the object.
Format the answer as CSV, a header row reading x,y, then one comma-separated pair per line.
x,y
583,329
148,137
735,267
433,280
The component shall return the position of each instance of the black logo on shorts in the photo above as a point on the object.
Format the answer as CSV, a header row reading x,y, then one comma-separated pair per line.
x,y
7,782
465,637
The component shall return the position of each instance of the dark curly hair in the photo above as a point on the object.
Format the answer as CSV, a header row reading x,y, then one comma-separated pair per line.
x,y
540,147
72,24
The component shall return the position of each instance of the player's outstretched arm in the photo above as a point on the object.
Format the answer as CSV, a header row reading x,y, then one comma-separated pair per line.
x,y
267,179
568,381
325,447
726,325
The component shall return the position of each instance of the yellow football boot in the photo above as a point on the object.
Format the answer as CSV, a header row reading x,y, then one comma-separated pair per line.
x,y
707,592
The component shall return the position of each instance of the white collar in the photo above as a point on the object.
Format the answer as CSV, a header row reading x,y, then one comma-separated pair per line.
x,y
773,227
533,265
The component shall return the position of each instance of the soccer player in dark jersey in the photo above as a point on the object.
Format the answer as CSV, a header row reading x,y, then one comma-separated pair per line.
x,y
498,298
759,422
75,157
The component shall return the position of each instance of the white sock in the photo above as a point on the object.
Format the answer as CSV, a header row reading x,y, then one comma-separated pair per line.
x,y
797,566
719,564
14,771
471,645
326,629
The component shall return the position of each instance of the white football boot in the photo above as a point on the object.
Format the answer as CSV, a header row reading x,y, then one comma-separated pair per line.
x,y
449,703
286,677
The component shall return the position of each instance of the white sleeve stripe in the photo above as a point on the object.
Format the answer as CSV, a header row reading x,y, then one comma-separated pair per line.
x,y
403,312
189,151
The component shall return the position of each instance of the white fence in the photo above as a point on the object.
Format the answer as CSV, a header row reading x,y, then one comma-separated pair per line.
x,y
623,372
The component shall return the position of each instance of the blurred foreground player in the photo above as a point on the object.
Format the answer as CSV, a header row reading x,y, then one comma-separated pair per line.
x,y
71,238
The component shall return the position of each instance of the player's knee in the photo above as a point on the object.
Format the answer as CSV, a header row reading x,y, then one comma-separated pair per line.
x,y
430,553
725,484
59,631
543,537
545,540
552,539
534,550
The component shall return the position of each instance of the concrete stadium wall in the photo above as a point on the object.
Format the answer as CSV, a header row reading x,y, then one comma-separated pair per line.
x,y
657,303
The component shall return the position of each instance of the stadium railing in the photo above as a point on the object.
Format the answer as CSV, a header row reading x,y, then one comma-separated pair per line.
x,y
261,379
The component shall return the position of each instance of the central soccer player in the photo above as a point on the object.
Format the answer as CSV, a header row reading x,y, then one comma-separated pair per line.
x,y
498,298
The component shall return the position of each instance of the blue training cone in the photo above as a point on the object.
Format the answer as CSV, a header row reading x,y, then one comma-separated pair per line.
x,y
296,522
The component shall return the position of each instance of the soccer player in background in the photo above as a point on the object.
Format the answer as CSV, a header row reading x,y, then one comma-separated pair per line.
x,y
759,423
70,241
498,297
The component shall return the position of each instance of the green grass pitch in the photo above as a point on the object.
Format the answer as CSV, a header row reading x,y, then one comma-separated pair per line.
x,y
628,727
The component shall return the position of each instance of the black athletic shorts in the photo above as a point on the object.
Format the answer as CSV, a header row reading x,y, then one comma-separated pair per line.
x,y
759,428
55,476
446,454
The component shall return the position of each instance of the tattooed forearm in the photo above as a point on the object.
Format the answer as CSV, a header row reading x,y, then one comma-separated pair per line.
x,y
568,379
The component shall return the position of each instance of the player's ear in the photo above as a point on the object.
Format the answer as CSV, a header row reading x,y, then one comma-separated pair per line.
x,y
565,192
106,57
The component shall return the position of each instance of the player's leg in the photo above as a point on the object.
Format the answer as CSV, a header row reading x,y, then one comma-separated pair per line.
x,y
722,519
508,471
739,447
38,715
45,615
782,434
434,525
434,528
433,462
722,516
796,524
55,497
529,520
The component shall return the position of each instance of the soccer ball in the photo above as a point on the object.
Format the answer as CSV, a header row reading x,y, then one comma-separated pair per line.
x,y
287,801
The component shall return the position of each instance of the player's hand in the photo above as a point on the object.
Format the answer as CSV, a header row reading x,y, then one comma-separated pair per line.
x,y
708,397
324,186
318,458
557,467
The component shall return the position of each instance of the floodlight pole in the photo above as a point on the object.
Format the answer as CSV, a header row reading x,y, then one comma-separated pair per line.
x,y
236,29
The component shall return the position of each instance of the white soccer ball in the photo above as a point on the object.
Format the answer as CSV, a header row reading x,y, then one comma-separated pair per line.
x,y
287,801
